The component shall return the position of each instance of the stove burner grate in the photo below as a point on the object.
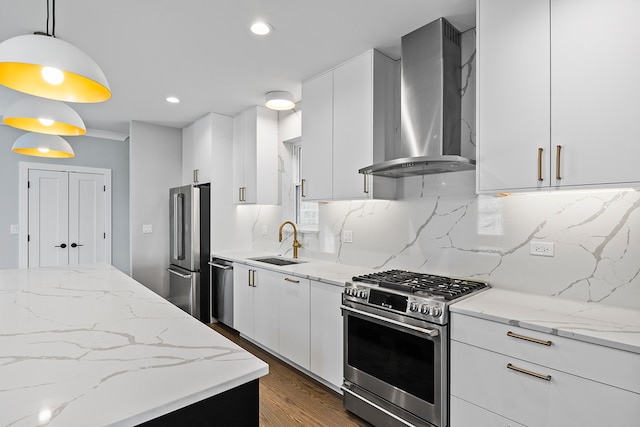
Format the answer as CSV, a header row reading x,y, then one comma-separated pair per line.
x,y
407,281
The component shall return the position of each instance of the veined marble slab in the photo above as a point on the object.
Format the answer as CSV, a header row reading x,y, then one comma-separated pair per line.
x,y
91,346
590,322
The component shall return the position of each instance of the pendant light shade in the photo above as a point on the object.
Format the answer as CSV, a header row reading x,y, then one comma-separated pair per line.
x,y
44,116
48,67
279,100
42,145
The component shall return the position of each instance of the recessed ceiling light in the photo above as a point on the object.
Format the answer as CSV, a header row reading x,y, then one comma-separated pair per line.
x,y
261,28
173,99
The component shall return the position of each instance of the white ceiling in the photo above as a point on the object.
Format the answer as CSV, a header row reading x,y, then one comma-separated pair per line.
x,y
202,51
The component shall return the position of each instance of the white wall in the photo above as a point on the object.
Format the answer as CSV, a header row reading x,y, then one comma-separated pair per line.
x,y
156,161
89,152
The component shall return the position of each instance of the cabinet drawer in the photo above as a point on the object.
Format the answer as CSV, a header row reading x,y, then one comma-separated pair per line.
x,y
622,368
465,414
482,377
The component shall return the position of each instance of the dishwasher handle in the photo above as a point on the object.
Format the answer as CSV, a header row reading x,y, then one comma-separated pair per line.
x,y
223,267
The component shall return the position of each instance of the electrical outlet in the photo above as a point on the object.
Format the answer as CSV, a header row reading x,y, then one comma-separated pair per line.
x,y
541,248
14,229
147,229
347,236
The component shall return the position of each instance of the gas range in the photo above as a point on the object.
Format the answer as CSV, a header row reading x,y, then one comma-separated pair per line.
x,y
419,296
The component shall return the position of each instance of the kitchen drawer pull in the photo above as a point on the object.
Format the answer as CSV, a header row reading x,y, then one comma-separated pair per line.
x,y
302,187
522,337
366,190
533,374
253,278
291,280
540,164
558,149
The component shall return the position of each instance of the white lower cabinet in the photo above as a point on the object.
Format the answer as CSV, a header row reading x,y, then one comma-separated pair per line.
x,y
255,302
505,373
293,317
464,413
326,332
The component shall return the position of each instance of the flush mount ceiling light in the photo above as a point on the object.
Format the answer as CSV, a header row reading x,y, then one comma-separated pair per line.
x,y
44,116
279,100
261,28
173,99
42,145
42,65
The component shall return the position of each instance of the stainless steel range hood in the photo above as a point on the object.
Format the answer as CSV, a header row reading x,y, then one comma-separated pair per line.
x,y
430,110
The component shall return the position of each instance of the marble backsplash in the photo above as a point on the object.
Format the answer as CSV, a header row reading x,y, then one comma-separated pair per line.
x,y
596,238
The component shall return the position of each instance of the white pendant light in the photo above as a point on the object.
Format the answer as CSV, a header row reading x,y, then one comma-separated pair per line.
x,y
48,67
279,100
42,145
44,116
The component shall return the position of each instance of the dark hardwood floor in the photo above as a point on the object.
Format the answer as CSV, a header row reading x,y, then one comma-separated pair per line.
x,y
291,398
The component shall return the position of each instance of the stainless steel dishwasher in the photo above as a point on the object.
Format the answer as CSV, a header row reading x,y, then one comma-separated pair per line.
x,y
221,286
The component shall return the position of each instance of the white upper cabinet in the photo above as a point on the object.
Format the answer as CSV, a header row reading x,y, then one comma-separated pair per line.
x,y
349,114
595,57
554,78
317,131
255,156
196,151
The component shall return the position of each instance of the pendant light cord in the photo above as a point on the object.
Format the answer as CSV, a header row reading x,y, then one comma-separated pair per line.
x,y
51,11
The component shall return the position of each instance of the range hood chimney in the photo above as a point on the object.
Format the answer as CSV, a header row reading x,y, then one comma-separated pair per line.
x,y
430,110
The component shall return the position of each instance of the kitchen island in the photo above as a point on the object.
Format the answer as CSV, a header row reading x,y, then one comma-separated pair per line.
x,y
88,345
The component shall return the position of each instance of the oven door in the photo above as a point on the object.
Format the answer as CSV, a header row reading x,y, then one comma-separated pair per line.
x,y
396,363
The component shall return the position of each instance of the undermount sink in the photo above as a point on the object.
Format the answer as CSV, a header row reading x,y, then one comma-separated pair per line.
x,y
277,260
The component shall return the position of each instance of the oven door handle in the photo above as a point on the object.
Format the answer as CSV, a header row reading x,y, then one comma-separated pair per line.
x,y
430,332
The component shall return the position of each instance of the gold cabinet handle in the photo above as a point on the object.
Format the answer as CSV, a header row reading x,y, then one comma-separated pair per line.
x,y
253,277
533,374
244,194
366,189
523,337
249,277
302,184
291,280
558,149
540,164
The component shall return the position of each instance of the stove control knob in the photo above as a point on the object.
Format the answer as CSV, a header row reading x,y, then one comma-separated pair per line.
x,y
360,294
365,295
435,311
413,306
424,309
347,291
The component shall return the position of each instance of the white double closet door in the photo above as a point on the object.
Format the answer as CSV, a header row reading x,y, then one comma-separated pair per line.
x,y
67,218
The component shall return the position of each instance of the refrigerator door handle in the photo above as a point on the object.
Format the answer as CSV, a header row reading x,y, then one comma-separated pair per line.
x,y
178,225
184,276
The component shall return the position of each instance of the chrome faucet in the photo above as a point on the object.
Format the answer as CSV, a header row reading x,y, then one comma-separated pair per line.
x,y
296,244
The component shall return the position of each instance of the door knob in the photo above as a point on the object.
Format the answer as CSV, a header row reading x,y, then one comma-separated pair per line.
x,y
64,245
74,245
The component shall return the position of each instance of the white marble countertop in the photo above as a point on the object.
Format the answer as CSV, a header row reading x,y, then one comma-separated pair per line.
x,y
327,272
590,322
91,346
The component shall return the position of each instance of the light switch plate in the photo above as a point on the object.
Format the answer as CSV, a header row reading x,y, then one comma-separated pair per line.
x,y
265,230
347,236
147,229
14,229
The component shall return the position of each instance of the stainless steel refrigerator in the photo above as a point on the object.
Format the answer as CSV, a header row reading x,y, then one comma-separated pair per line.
x,y
189,248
